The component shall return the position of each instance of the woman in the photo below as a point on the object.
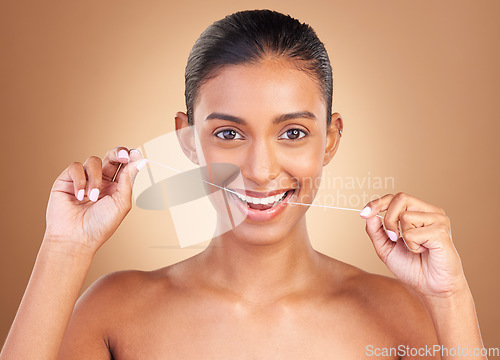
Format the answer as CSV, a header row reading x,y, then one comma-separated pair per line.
x,y
259,94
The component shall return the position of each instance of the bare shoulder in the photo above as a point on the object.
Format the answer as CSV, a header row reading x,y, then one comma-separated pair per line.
x,y
386,301
107,307
119,281
116,292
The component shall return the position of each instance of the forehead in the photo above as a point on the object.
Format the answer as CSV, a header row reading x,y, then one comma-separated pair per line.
x,y
265,89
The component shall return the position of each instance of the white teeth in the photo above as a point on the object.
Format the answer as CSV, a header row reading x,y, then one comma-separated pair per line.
x,y
254,200
264,201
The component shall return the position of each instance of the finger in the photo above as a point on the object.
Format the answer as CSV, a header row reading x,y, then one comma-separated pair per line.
x,y
375,206
76,174
112,161
401,204
433,237
139,163
412,204
134,157
127,174
381,242
93,169
395,205
414,219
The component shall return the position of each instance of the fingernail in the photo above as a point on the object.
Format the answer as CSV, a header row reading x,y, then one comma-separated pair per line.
x,y
141,163
123,154
80,194
365,212
94,194
137,151
392,235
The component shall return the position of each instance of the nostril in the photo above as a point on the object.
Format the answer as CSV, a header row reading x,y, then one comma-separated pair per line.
x,y
260,174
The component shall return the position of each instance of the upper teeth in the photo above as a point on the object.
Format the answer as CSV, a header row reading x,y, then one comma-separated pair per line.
x,y
264,201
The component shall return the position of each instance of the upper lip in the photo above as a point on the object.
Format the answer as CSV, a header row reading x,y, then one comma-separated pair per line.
x,y
261,194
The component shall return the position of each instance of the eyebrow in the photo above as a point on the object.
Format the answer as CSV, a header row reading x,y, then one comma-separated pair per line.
x,y
276,120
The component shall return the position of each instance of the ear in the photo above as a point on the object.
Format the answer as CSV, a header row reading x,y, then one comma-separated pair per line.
x,y
185,135
334,132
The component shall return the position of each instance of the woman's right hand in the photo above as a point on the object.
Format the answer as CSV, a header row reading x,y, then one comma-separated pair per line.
x,y
85,206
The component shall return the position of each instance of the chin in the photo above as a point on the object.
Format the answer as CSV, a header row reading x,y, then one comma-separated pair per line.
x,y
246,235
264,233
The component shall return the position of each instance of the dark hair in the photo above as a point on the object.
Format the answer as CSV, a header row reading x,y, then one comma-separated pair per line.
x,y
249,37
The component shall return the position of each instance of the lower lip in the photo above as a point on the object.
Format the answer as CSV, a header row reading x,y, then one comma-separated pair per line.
x,y
262,215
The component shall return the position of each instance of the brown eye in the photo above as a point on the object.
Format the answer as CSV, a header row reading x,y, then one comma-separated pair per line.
x,y
228,134
293,134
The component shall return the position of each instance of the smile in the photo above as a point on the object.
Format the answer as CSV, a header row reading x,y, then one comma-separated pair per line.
x,y
264,207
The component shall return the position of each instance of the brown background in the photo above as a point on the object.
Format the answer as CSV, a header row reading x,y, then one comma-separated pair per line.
x,y
417,83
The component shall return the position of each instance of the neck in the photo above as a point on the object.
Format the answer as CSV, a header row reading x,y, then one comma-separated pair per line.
x,y
261,273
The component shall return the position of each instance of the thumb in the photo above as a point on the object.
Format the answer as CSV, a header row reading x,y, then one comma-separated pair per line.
x,y
382,243
128,174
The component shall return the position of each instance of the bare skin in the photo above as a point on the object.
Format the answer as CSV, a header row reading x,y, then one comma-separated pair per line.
x,y
178,313
257,292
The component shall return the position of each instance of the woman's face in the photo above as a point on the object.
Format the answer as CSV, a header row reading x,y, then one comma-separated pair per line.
x,y
269,119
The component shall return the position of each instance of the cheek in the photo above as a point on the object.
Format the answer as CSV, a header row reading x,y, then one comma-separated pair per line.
x,y
305,166
214,154
307,159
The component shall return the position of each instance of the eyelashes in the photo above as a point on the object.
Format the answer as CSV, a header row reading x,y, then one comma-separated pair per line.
x,y
228,134
292,134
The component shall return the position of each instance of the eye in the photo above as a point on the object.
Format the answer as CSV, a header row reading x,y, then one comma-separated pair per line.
x,y
293,134
228,134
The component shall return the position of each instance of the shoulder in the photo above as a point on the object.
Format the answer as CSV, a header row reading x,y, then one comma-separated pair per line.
x,y
124,280
387,296
388,302
126,288
115,293
106,308
116,299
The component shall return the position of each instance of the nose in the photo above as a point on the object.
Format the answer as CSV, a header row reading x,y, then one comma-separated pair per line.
x,y
261,164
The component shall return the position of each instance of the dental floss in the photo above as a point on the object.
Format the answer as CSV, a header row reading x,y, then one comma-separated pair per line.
x,y
234,192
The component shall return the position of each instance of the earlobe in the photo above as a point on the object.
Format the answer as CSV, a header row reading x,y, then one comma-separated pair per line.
x,y
334,132
185,135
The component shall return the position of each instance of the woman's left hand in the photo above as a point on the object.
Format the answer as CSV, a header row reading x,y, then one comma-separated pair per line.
x,y
422,254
